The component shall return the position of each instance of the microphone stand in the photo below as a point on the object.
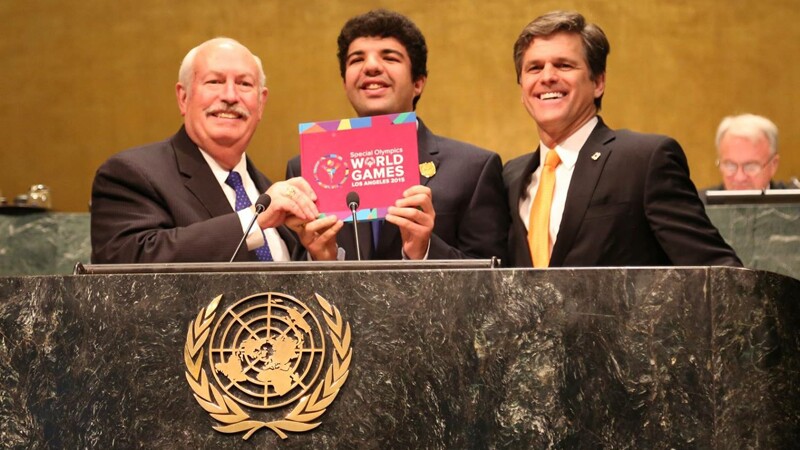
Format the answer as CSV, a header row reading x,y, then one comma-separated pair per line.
x,y
355,228
261,204
352,202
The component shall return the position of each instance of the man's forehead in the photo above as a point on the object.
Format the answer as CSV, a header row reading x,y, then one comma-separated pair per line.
x,y
751,138
572,40
228,70
382,44
226,57
743,149
531,57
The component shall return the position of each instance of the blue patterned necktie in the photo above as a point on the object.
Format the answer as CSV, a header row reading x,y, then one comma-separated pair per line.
x,y
243,201
376,233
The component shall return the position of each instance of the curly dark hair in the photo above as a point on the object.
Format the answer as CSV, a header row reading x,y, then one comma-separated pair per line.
x,y
383,23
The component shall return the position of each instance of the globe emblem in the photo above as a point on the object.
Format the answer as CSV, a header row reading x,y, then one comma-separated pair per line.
x,y
267,350
331,171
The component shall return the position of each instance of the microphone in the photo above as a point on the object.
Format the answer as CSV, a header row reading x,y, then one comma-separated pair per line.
x,y
262,203
352,202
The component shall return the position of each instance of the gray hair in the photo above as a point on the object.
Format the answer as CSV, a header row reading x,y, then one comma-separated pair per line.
x,y
749,126
186,72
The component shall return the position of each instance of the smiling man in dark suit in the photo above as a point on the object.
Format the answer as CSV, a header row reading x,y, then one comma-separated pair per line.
x,y
590,195
189,198
458,211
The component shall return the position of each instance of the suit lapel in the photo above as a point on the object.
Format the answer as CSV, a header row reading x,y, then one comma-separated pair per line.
x,y
261,182
588,168
200,181
520,183
296,251
516,190
427,150
198,177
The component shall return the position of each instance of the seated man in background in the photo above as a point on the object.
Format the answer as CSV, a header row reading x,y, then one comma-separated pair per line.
x,y
189,198
458,211
747,153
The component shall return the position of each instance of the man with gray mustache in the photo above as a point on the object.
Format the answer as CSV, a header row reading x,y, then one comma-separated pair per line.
x,y
190,198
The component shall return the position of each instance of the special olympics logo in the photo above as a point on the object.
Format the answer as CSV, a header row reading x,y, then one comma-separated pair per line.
x,y
267,351
331,171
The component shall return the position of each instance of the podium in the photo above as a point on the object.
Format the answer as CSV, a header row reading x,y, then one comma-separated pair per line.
x,y
440,357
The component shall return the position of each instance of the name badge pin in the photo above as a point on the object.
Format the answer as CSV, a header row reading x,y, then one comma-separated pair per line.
x,y
427,169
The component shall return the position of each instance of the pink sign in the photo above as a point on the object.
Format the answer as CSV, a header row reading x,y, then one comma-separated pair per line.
x,y
376,157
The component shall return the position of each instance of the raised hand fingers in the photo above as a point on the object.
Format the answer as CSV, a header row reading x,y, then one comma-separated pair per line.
x,y
302,184
415,216
319,237
292,198
418,197
323,225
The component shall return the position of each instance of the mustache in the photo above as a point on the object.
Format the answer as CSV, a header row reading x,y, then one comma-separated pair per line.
x,y
230,109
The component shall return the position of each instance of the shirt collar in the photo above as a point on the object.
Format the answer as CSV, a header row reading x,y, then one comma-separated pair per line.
x,y
221,174
569,149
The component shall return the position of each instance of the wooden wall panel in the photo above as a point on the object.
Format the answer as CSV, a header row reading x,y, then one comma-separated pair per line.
x,y
83,80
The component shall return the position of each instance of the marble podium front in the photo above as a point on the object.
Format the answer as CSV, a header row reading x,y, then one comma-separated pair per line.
x,y
766,237
43,243
587,358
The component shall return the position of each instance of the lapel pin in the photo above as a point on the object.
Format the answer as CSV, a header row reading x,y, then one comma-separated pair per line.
x,y
427,169
596,156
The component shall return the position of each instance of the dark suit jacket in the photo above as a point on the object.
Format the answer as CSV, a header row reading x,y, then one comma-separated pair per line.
x,y
468,197
634,205
161,203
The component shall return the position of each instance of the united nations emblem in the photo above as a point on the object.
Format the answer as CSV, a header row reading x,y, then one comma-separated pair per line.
x,y
264,352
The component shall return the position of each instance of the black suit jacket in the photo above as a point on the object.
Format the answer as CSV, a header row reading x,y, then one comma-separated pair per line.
x,y
161,203
630,203
468,197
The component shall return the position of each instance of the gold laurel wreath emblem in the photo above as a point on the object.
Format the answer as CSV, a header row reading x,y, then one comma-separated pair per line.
x,y
225,410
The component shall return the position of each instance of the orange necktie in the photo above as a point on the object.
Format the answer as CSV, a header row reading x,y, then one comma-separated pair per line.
x,y
539,225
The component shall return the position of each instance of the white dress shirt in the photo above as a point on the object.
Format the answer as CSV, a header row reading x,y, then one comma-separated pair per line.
x,y
255,238
568,153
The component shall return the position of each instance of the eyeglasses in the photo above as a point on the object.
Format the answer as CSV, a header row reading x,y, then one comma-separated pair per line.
x,y
751,169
